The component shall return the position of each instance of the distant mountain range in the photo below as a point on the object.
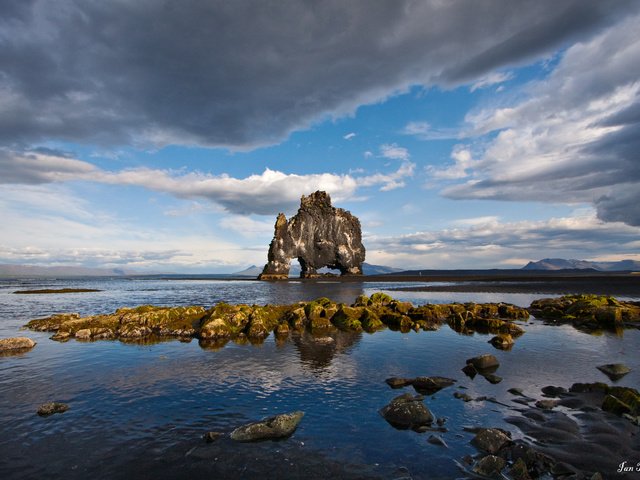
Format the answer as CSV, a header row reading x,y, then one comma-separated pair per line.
x,y
8,270
367,269
563,264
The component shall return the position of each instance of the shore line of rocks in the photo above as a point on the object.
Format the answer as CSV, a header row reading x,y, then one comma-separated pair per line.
x,y
253,323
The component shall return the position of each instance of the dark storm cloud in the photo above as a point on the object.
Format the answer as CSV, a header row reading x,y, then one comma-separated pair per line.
x,y
246,73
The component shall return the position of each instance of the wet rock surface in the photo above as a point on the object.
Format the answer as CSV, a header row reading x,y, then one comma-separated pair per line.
x,y
407,411
52,407
319,235
270,428
15,345
223,322
422,385
615,371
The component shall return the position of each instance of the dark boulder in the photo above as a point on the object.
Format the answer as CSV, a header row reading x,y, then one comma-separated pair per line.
x,y
407,411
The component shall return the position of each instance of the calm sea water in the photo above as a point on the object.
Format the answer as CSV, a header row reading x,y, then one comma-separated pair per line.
x,y
139,411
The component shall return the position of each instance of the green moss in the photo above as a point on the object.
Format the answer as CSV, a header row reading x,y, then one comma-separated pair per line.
x,y
380,298
370,321
396,320
348,318
629,396
362,301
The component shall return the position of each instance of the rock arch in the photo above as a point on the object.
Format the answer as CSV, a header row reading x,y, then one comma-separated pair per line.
x,y
319,235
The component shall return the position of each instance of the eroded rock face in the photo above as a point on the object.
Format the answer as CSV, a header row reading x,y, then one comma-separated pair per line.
x,y
319,235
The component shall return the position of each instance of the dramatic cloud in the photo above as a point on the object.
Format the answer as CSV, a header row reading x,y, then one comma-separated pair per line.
x,y
487,242
247,73
265,194
575,139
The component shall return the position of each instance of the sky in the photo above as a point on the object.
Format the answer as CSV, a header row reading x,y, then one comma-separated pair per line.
x,y
165,136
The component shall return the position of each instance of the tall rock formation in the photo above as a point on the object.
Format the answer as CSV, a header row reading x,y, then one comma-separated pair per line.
x,y
319,235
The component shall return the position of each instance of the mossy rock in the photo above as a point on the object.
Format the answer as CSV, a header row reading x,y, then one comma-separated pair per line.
x,y
348,318
400,307
629,396
380,298
282,329
370,321
362,301
296,317
608,315
216,328
397,321
52,323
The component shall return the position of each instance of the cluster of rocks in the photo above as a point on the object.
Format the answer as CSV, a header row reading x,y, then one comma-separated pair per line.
x,y
587,311
225,321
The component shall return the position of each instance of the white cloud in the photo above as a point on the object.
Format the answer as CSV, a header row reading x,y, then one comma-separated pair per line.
x,y
425,131
247,226
486,242
491,79
267,193
463,162
573,139
394,152
349,136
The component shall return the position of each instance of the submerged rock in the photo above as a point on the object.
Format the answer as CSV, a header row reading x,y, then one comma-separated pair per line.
x,y
270,428
16,345
615,371
407,411
51,408
319,235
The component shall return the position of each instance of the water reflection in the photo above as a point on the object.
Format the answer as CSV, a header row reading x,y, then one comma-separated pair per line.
x,y
141,408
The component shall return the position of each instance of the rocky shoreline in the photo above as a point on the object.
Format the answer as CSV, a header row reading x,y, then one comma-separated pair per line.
x,y
224,322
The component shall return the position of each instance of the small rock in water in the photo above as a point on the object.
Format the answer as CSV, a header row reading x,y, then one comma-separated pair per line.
x,y
503,341
430,385
547,404
516,391
16,344
470,371
51,408
278,426
210,437
489,465
484,362
437,440
551,391
407,411
463,396
493,378
615,371
490,440
398,382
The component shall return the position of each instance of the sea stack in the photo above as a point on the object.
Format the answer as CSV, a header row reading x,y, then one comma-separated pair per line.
x,y
319,235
